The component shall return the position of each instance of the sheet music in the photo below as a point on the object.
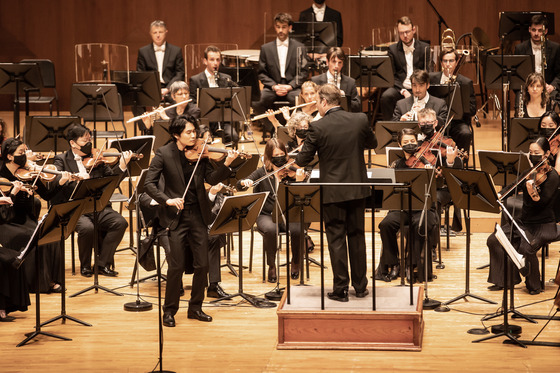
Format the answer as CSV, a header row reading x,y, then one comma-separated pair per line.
x,y
515,257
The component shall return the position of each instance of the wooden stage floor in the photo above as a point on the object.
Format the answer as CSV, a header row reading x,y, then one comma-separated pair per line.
x,y
243,338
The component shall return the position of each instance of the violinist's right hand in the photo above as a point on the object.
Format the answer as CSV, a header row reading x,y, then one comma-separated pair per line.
x,y
6,201
175,202
247,183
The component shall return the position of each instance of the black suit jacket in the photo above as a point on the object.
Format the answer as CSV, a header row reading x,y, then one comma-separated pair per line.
x,y
552,72
339,139
435,78
269,65
396,53
201,81
348,85
166,162
173,64
439,106
331,15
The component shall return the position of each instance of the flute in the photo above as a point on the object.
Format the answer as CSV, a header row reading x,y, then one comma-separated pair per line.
x,y
154,112
279,111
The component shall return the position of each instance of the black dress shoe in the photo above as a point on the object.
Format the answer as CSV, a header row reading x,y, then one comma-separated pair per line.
x,y
7,318
534,292
362,294
339,297
199,315
395,272
55,289
106,271
272,274
86,272
294,271
168,320
216,291
495,288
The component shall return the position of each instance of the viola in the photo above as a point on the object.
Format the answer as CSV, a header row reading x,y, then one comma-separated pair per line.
x,y
109,157
210,152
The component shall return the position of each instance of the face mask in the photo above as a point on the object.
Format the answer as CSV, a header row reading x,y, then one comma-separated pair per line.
x,y
301,133
86,149
410,148
428,130
20,160
279,161
535,159
547,132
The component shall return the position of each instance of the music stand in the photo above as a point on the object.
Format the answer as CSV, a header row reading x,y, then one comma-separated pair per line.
x,y
161,133
97,193
16,78
523,131
387,133
503,167
320,36
58,225
244,77
44,133
470,190
95,102
453,94
239,213
515,25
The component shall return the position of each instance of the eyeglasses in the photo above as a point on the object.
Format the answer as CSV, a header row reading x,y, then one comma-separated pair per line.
x,y
404,33
427,123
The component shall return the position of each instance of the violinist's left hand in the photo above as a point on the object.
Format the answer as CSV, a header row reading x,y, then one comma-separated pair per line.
x,y
231,155
64,178
215,189
451,154
125,158
300,174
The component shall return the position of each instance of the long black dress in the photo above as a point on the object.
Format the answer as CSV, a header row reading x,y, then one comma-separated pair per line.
x,y
14,294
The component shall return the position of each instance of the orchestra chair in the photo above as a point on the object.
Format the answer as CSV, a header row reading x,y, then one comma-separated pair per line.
x,y
46,67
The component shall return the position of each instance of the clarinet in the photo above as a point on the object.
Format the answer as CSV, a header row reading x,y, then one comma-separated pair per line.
x,y
216,77
520,110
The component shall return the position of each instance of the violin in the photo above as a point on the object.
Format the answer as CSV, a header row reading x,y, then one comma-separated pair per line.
x,y
7,185
48,173
109,157
210,152
422,157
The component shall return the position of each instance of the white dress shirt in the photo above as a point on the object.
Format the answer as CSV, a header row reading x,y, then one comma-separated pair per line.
x,y
211,81
408,55
538,57
282,47
319,12
160,53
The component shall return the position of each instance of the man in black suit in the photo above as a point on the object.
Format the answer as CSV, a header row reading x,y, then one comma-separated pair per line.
x,y
533,47
407,109
459,129
111,224
161,56
339,139
211,78
278,70
407,55
346,84
187,219
320,12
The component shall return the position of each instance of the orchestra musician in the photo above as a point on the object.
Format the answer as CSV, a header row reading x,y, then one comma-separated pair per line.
x,y
535,98
298,126
14,293
22,215
275,157
407,109
212,78
186,213
407,55
278,70
346,84
540,188
389,267
308,94
160,56
320,12
340,139
111,224
459,129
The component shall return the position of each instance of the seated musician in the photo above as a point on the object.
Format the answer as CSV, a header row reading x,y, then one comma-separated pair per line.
x,y
407,108
535,100
346,84
308,94
298,126
275,157
540,188
459,129
320,12
278,70
211,78
111,224
389,268
21,217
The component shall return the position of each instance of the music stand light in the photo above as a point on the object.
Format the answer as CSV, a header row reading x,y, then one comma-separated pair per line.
x,y
387,133
523,131
45,133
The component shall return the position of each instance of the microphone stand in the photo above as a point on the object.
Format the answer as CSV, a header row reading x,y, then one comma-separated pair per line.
x,y
439,17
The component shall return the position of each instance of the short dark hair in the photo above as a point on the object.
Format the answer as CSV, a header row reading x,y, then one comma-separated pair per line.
x,y
421,76
404,20
284,18
331,93
212,48
179,123
336,52
274,143
448,51
539,19
405,132
9,146
76,131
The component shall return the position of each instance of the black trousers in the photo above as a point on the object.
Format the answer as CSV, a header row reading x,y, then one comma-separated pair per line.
x,y
461,133
111,228
268,96
389,100
229,133
268,229
344,224
215,243
191,234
